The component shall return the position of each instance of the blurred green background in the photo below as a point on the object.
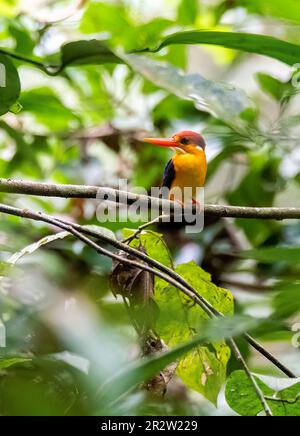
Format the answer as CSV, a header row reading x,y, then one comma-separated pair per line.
x,y
84,126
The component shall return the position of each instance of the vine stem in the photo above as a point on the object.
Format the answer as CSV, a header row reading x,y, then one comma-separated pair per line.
x,y
164,272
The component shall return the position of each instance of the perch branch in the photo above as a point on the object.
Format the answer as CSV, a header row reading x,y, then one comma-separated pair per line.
x,y
13,186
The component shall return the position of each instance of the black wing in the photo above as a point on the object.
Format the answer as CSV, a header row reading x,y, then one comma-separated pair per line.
x,y
169,174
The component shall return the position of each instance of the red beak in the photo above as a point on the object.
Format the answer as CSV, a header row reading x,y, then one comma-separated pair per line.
x,y
168,142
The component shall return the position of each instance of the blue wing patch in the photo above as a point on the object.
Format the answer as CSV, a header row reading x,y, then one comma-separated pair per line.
x,y
169,174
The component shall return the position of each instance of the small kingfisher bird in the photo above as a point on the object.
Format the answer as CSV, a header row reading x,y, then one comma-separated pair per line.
x,y
187,168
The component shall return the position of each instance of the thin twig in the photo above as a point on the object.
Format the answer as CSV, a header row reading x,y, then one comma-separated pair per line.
x,y
141,228
258,347
46,68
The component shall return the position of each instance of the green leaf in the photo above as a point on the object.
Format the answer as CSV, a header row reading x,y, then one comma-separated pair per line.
x,y
48,109
283,395
249,42
9,84
219,99
203,369
87,52
7,362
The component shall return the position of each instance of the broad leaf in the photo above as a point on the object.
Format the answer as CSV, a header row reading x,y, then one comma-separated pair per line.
x,y
220,99
283,395
203,369
249,42
48,109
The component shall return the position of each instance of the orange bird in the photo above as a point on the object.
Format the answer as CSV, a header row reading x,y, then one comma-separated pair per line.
x,y
187,168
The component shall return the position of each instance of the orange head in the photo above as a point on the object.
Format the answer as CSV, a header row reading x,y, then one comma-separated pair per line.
x,y
184,139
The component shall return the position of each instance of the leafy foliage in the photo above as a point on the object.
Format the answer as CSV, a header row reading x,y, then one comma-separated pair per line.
x,y
83,86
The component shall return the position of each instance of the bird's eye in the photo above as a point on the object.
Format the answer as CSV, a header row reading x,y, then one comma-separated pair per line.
x,y
184,141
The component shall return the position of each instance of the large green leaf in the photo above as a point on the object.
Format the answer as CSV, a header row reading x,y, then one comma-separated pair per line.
x,y
220,99
204,368
283,395
9,84
48,109
252,43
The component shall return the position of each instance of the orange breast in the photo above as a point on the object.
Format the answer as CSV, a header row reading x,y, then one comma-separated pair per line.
x,y
190,171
